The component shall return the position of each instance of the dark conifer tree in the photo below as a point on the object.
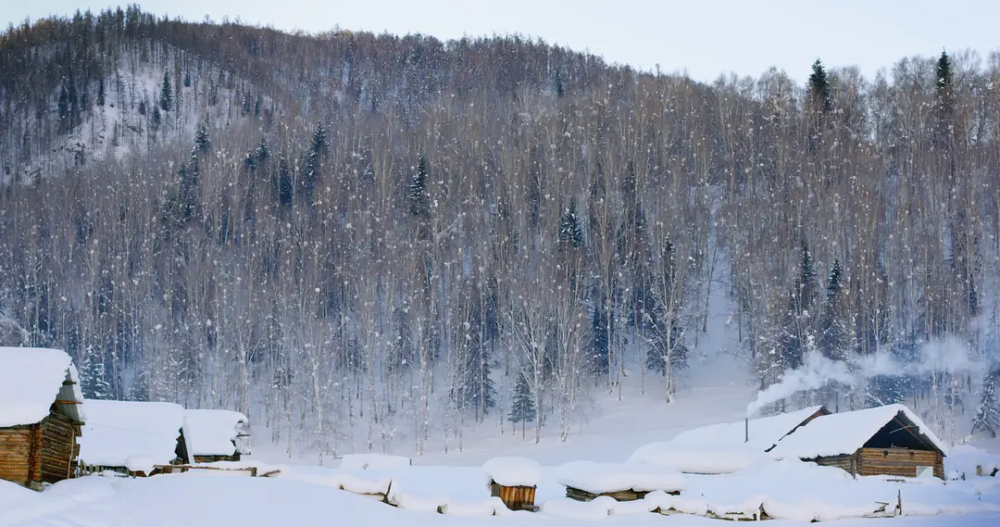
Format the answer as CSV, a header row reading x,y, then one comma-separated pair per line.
x,y
100,92
570,231
419,204
819,89
63,107
166,93
987,417
522,408
599,338
285,188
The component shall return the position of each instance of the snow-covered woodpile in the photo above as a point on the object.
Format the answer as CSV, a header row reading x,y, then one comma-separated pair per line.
x,y
40,416
888,440
131,437
216,435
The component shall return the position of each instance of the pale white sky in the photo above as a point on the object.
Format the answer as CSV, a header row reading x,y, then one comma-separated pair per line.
x,y
703,37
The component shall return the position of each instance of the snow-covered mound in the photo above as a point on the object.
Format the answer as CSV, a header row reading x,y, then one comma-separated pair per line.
x,y
697,460
760,434
214,432
117,431
600,478
373,462
513,471
30,380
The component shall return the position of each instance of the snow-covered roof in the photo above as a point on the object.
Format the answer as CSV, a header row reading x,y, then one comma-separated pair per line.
x,y
844,433
31,379
764,432
119,430
698,459
600,478
213,432
513,471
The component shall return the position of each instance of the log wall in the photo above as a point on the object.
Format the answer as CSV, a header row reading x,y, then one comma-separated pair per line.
x,y
899,462
515,498
15,453
58,447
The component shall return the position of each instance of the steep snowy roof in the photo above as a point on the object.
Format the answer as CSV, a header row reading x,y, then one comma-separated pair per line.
x,y
31,379
213,432
844,433
119,430
764,432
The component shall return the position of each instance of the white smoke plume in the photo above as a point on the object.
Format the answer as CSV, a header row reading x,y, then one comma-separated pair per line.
x,y
946,355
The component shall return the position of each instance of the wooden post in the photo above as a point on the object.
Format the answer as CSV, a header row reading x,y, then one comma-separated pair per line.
x,y
899,502
746,429
979,470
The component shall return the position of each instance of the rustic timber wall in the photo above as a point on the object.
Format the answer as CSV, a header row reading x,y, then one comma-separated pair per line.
x,y
212,459
846,462
899,462
515,498
58,447
15,451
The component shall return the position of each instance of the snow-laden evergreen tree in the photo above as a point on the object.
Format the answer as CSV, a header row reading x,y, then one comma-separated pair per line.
x,y
311,168
819,89
93,376
419,204
284,183
202,144
166,93
522,407
599,337
987,417
570,230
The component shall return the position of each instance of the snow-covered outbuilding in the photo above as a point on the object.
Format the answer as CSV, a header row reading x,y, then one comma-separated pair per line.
x,y
132,437
888,440
41,416
513,480
216,435
724,448
759,434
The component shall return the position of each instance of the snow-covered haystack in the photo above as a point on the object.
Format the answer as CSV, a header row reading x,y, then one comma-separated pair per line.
x,y
584,480
374,462
697,460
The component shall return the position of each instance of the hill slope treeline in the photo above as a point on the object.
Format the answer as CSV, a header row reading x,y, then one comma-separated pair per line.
x,y
369,241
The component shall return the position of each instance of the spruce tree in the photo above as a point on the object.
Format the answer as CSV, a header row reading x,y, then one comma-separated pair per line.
x,y
945,100
987,417
187,78
819,89
312,166
166,93
560,90
599,338
419,205
93,381
157,118
570,231
522,408
807,279
202,143
63,106
100,92
285,189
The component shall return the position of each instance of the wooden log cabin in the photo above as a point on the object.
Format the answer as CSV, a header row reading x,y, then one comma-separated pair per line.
x,y
888,440
131,438
515,497
216,435
41,416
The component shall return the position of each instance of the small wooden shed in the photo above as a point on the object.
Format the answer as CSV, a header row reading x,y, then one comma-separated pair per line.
x,y
513,480
41,416
216,435
131,438
887,440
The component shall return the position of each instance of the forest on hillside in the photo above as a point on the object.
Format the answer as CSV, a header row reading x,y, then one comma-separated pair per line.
x,y
406,237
